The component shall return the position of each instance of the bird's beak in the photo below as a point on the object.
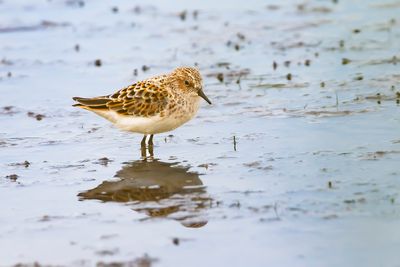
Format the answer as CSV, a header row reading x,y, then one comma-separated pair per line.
x,y
202,95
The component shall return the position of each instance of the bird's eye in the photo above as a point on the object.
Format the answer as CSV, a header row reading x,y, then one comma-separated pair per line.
x,y
187,83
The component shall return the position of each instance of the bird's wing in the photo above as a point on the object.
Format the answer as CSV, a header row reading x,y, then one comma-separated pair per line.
x,y
143,99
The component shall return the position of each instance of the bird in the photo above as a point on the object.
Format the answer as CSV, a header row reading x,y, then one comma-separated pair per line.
x,y
155,105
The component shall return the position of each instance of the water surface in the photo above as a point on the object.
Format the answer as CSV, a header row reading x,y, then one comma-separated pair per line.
x,y
294,164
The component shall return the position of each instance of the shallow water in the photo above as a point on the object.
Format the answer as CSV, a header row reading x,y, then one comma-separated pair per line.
x,y
294,164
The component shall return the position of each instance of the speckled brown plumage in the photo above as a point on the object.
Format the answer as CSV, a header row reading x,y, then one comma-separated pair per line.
x,y
154,105
145,98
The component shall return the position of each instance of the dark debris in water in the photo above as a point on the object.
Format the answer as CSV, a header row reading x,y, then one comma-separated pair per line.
x,y
175,241
258,165
354,201
37,116
378,154
294,45
12,177
195,14
380,97
68,166
324,113
103,161
48,218
330,217
75,3
220,77
222,64
115,9
25,164
241,36
345,61
93,129
144,261
206,165
45,24
6,62
8,110
182,15
393,61
98,63
107,252
35,264
230,75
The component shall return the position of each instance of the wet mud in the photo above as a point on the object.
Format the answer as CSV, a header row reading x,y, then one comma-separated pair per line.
x,y
294,164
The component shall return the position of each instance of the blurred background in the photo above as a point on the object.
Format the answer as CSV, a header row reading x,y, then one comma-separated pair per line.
x,y
294,164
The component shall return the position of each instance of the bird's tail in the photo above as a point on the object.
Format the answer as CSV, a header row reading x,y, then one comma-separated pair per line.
x,y
91,103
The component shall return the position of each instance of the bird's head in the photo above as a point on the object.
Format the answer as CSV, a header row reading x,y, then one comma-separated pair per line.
x,y
189,80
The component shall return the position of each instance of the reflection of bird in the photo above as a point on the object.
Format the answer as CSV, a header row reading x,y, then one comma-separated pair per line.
x,y
156,105
172,188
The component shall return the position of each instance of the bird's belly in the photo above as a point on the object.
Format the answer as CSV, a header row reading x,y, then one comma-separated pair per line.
x,y
152,125
155,124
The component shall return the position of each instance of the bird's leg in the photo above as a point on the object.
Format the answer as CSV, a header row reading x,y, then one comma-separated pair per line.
x,y
143,152
143,143
151,152
151,146
143,147
151,140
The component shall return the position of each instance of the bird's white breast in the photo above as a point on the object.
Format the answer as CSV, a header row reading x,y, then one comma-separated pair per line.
x,y
155,124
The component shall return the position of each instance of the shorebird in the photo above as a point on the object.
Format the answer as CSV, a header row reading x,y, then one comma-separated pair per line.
x,y
155,105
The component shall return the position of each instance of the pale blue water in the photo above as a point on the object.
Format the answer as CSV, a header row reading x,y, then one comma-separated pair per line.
x,y
268,203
